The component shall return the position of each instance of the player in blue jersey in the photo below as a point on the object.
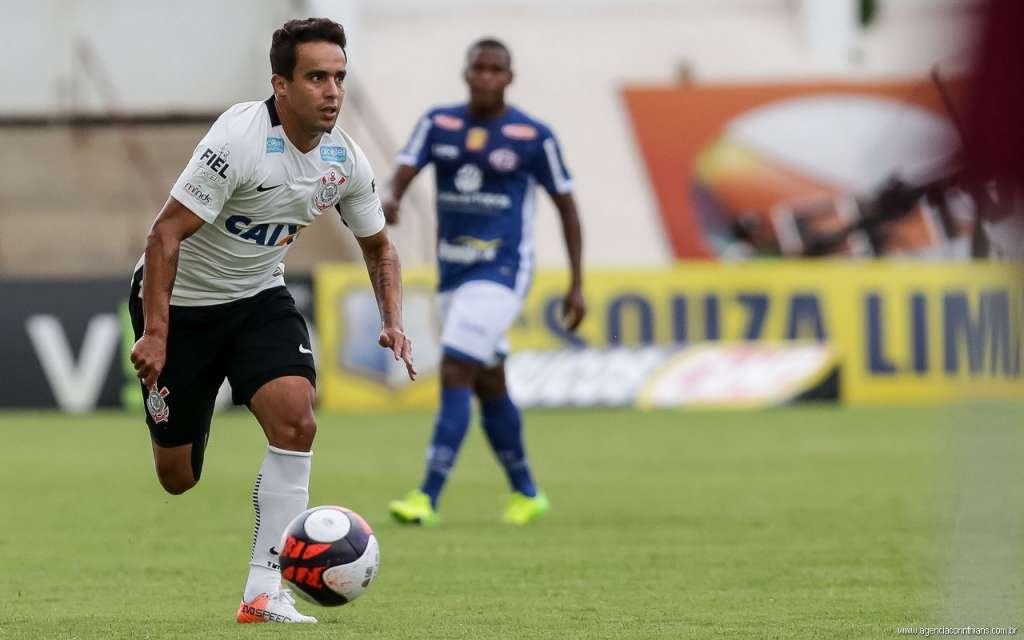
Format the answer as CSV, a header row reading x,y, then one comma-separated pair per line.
x,y
488,156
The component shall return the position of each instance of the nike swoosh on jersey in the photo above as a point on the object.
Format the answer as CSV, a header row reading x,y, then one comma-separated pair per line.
x,y
303,349
262,188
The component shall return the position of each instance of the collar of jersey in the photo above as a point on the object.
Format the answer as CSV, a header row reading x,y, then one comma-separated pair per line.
x,y
275,121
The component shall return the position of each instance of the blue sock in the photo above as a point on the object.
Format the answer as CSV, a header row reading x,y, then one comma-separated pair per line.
x,y
449,432
504,428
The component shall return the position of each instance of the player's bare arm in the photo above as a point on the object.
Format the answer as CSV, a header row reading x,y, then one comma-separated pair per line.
x,y
394,191
573,306
174,223
385,271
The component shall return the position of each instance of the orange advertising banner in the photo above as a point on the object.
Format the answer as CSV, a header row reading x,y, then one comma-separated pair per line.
x,y
801,169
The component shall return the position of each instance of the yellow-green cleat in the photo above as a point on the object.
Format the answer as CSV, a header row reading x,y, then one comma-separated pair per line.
x,y
414,508
522,509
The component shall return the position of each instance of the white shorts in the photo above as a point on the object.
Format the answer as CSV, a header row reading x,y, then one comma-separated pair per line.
x,y
475,318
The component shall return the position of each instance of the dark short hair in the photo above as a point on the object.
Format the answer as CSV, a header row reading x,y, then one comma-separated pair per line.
x,y
489,43
295,32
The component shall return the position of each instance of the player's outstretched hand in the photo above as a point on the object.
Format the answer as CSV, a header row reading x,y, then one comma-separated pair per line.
x,y
395,340
573,309
148,356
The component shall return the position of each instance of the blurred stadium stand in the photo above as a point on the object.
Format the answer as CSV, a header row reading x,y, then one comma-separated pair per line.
x,y
104,116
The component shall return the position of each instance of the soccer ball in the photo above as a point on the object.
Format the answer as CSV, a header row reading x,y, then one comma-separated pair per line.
x,y
329,554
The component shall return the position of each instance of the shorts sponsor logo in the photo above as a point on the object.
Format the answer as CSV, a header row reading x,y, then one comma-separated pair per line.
x,y
469,178
519,131
476,139
333,154
445,151
275,145
157,406
328,192
451,123
468,326
504,159
267,234
197,193
216,161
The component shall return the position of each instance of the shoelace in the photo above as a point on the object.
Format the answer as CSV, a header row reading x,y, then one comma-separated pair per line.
x,y
285,595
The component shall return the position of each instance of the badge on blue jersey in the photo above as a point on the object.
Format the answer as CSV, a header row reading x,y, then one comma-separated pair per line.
x,y
476,139
275,145
333,154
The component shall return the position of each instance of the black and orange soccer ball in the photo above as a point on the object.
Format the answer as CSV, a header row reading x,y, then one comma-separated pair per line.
x,y
329,555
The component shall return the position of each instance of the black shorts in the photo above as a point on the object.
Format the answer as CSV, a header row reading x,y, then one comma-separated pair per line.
x,y
249,341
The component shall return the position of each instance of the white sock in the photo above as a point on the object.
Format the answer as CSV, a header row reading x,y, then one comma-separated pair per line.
x,y
281,492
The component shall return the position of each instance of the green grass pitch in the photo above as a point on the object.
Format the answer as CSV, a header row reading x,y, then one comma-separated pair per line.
x,y
807,522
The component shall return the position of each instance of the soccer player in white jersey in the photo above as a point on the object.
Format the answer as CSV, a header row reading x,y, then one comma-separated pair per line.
x,y
208,297
488,158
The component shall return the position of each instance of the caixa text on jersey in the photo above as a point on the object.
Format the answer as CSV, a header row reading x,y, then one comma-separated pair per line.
x,y
267,233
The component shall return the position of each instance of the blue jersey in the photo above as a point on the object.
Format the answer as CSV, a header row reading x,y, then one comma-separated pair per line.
x,y
486,173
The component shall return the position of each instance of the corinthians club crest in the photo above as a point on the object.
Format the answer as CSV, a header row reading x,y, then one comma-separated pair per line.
x,y
328,192
157,406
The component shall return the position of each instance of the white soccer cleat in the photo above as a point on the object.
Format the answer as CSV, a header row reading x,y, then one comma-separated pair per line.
x,y
266,607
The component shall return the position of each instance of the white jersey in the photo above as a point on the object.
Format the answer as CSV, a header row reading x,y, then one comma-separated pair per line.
x,y
256,192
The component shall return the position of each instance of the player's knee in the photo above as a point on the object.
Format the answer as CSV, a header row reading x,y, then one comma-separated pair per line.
x,y
174,468
297,434
177,481
458,373
490,384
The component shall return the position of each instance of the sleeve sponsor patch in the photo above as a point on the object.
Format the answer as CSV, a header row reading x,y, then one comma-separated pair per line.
x,y
205,174
212,173
216,161
197,192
